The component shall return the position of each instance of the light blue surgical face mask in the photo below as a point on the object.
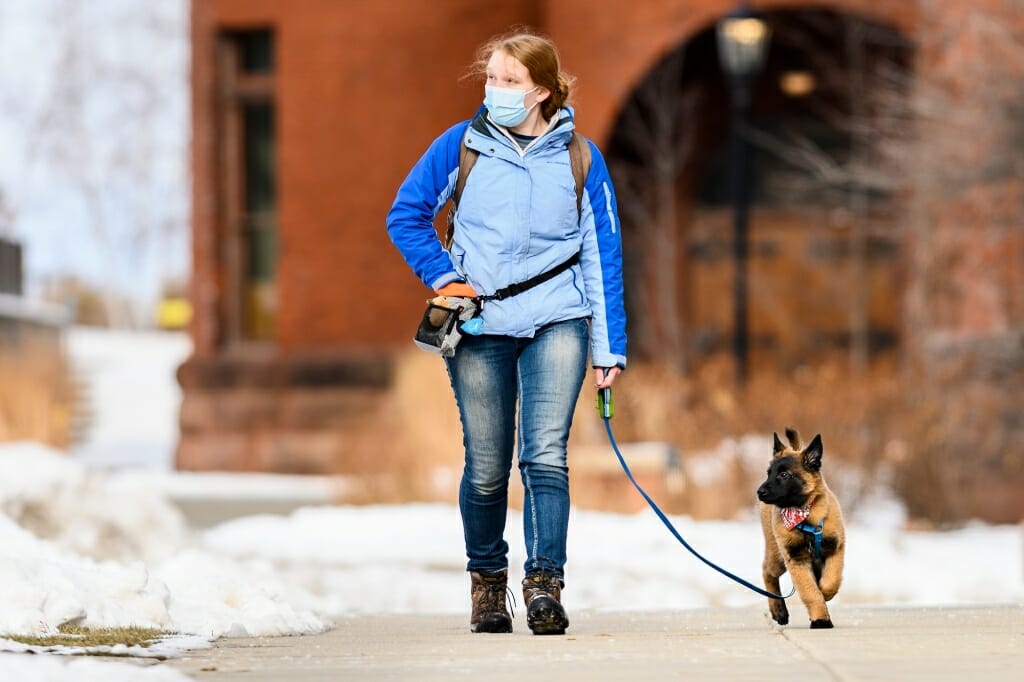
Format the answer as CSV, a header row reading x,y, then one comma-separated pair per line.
x,y
507,106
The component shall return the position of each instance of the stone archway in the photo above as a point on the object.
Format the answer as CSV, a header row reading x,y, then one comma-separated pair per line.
x,y
824,255
612,46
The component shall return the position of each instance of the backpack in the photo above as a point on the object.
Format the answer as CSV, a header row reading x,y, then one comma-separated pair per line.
x,y
579,159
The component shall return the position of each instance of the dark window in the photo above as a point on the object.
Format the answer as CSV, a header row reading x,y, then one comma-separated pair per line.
x,y
248,182
10,268
256,51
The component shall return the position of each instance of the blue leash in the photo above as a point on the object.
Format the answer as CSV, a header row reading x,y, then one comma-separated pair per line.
x,y
605,408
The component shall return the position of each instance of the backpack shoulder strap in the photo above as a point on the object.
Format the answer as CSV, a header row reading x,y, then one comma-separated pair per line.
x,y
580,159
467,159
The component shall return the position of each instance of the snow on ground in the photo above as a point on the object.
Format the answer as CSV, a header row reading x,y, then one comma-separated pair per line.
x,y
75,550
132,392
410,559
267,575
58,669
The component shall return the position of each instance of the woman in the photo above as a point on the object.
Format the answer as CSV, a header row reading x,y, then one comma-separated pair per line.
x,y
519,220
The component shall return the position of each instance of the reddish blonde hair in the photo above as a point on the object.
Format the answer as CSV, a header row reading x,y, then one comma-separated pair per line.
x,y
540,57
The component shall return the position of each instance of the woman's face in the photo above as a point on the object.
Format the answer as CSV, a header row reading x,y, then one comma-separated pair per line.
x,y
505,71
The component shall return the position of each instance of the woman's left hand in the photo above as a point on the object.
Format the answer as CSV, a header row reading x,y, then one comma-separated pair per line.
x,y
604,377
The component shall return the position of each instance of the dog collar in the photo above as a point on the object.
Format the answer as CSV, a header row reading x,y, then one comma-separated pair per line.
x,y
794,516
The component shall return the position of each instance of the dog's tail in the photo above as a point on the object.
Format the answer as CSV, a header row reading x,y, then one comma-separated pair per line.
x,y
793,437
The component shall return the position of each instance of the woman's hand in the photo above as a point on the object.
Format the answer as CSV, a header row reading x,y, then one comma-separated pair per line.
x,y
456,290
604,377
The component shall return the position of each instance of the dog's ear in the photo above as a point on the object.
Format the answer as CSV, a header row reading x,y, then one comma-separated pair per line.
x,y
812,454
777,447
793,437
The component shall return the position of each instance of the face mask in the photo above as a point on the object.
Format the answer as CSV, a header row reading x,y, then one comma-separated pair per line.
x,y
507,106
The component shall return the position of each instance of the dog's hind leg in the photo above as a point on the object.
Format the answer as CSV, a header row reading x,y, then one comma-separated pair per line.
x,y
810,595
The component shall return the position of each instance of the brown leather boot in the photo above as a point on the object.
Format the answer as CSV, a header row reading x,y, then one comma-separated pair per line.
x,y
542,593
490,613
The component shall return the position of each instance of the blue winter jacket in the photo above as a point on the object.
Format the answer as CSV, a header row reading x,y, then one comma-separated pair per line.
x,y
517,218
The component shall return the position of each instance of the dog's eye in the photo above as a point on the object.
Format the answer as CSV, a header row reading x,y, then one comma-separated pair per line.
x,y
783,474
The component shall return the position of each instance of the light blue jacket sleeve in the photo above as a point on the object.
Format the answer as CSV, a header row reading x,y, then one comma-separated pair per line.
x,y
424,192
601,260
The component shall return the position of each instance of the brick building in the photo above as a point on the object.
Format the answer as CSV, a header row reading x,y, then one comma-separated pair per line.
x,y
307,115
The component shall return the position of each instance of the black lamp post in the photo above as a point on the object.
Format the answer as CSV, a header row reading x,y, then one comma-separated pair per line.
x,y
742,44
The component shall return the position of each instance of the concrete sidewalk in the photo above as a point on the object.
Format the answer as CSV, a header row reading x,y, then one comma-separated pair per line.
x,y
975,644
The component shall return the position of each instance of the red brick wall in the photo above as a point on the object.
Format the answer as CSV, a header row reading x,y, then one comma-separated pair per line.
x,y
362,89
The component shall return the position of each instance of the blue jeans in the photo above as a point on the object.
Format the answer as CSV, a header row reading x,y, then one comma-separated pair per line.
x,y
488,375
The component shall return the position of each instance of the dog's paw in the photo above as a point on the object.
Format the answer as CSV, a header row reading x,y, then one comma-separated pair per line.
x,y
780,614
821,624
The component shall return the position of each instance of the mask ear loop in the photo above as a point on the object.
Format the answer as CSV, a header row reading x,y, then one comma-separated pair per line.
x,y
535,103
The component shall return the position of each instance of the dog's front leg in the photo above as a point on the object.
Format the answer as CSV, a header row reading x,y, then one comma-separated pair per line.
x,y
810,595
832,574
771,569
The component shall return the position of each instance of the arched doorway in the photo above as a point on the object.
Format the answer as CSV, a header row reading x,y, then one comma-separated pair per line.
x,y
828,132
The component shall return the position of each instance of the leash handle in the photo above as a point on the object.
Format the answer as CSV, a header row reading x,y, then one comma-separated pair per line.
x,y
605,404
668,524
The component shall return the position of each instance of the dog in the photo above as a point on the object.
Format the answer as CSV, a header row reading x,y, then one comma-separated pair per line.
x,y
803,529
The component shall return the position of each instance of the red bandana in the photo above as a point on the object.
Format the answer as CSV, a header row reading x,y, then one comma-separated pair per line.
x,y
793,516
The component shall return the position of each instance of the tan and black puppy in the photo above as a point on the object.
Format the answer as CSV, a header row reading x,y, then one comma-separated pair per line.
x,y
803,529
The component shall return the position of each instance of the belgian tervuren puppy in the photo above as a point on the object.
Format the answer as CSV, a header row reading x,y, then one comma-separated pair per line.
x,y
803,529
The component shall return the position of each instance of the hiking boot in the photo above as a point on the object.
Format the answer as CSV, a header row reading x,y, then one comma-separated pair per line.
x,y
542,593
489,606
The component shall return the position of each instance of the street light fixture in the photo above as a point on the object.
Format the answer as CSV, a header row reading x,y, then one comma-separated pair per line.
x,y
742,45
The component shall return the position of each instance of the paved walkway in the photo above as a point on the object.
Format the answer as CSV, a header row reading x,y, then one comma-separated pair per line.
x,y
975,644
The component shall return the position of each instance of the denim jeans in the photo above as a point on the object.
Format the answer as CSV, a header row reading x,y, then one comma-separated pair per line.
x,y
489,374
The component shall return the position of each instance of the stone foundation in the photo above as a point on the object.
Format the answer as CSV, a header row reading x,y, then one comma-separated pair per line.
x,y
295,414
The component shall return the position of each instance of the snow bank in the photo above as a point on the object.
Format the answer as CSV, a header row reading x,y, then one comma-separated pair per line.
x,y
58,499
42,587
74,549
54,669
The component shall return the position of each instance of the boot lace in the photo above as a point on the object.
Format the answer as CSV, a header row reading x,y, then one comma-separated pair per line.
x,y
493,596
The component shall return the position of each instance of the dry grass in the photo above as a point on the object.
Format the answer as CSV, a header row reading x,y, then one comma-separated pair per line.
x,y
880,428
77,636
417,453
35,393
412,433
856,415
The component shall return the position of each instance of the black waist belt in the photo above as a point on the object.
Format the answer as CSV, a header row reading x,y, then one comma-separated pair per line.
x,y
520,287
